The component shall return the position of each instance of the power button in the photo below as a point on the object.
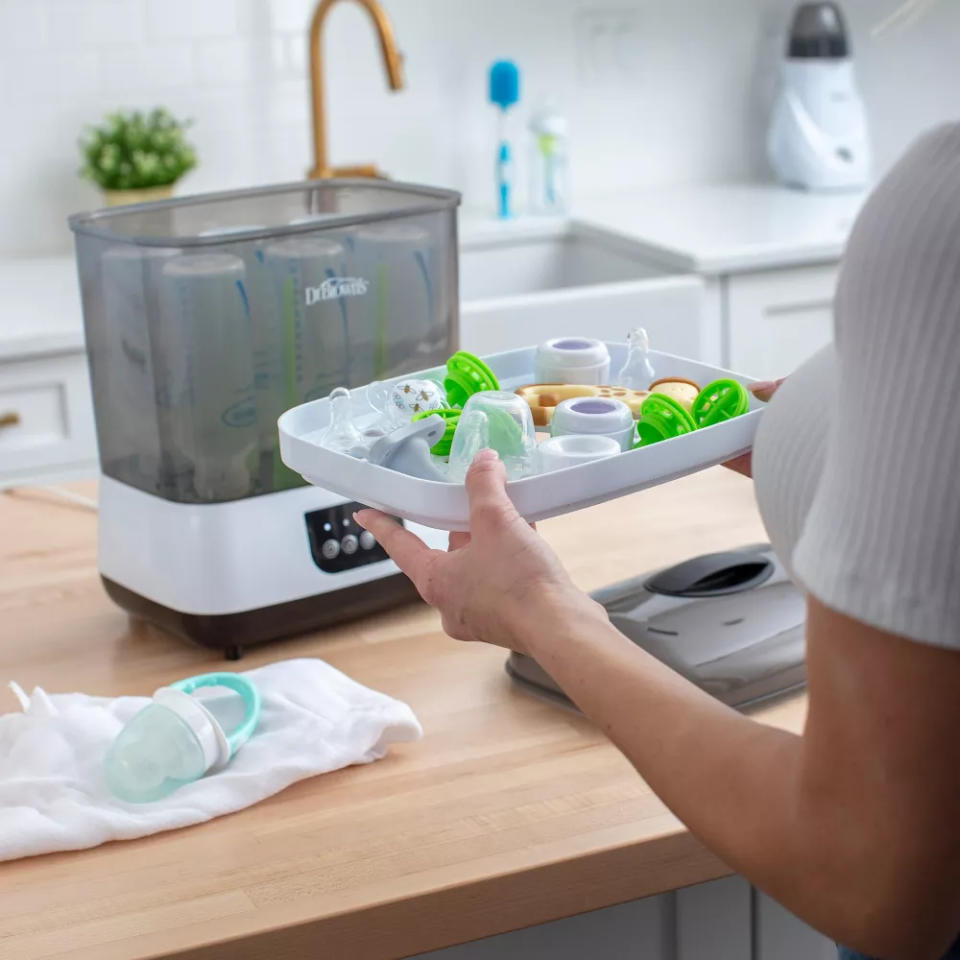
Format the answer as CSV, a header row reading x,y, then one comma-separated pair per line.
x,y
330,549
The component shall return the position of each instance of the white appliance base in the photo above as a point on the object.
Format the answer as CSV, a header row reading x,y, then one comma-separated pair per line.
x,y
229,575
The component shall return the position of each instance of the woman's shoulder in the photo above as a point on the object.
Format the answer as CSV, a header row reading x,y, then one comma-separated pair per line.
x,y
946,135
879,542
902,262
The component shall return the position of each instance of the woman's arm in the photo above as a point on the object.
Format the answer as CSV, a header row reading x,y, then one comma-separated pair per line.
x,y
853,826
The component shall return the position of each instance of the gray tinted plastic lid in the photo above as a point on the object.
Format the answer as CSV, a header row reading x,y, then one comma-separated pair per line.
x,y
260,212
818,32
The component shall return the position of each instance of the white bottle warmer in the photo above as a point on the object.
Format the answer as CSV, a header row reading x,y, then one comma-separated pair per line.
x,y
818,138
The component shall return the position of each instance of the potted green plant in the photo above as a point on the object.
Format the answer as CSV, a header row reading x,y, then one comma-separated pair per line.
x,y
135,157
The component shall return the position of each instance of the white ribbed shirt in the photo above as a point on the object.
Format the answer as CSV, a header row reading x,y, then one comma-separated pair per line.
x,y
857,459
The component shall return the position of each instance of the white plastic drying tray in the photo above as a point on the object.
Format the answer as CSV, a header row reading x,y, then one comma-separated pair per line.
x,y
444,505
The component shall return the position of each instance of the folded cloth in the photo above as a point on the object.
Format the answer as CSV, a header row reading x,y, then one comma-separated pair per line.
x,y
53,795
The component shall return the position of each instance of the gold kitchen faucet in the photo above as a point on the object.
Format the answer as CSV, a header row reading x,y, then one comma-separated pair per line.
x,y
392,61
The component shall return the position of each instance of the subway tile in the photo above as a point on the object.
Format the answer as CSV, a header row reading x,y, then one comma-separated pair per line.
x,y
73,23
287,104
279,67
144,69
179,19
23,24
297,49
253,17
34,75
77,73
230,61
288,15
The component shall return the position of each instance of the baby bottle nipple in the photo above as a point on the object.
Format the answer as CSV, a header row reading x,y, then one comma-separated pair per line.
x,y
342,435
637,373
472,435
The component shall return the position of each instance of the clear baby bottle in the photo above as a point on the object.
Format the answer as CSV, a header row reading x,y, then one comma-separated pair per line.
x,y
548,162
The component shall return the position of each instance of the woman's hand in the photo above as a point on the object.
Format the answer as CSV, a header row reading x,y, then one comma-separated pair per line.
x,y
762,391
494,584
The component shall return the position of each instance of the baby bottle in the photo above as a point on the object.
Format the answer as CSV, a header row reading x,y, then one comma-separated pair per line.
x,y
548,163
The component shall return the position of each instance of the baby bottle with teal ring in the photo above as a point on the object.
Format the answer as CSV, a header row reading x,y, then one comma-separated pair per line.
x,y
175,739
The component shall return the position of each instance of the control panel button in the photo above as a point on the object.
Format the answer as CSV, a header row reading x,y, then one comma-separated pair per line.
x,y
330,549
337,543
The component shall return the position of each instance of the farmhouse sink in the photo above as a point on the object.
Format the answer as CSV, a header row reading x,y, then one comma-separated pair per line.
x,y
521,284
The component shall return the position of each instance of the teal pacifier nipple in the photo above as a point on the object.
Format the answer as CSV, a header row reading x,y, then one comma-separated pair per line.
x,y
176,739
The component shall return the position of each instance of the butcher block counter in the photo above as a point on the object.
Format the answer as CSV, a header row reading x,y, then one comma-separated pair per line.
x,y
510,812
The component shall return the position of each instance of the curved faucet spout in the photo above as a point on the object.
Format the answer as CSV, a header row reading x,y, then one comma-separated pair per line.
x,y
392,61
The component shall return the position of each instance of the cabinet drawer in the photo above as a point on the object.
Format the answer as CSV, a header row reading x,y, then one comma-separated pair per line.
x,y
779,318
46,417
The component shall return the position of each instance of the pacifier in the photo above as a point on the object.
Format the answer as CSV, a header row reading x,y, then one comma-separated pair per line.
x,y
400,401
406,449
718,401
467,375
637,372
175,739
661,418
451,417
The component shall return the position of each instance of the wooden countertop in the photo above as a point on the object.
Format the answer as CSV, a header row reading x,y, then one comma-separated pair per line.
x,y
510,812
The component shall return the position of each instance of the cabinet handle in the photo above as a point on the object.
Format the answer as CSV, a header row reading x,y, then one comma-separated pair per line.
x,y
10,419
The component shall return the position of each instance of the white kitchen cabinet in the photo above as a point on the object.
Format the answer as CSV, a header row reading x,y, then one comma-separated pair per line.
x,y
713,920
779,935
721,920
776,319
639,930
46,418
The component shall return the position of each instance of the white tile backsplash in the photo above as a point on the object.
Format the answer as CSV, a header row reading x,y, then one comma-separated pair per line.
x,y
30,73
678,94
177,19
78,71
139,76
289,15
76,23
24,24
227,61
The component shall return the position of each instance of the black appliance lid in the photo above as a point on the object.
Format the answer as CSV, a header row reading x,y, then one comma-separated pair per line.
x,y
818,32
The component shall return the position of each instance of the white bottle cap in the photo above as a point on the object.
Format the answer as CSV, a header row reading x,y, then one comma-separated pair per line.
x,y
572,360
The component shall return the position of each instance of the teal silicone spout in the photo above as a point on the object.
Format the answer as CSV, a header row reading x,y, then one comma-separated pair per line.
x,y
156,753
504,93
175,739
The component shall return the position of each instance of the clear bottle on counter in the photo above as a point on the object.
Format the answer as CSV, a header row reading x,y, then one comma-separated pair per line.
x,y
549,189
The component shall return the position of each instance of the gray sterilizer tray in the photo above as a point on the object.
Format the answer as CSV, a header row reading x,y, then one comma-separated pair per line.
x,y
732,623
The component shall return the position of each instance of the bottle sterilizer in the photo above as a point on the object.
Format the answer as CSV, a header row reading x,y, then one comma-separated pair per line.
x,y
206,317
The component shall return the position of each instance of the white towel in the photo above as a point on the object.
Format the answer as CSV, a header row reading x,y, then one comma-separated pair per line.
x,y
52,790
